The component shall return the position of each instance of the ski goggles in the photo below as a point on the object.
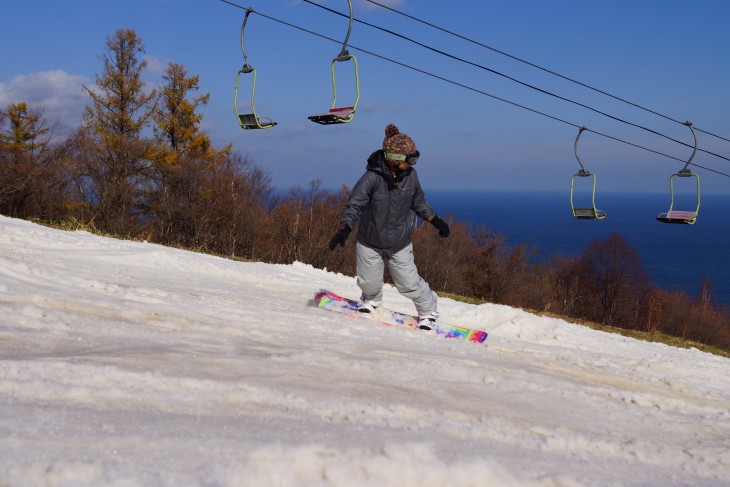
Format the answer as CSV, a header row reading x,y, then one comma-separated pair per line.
x,y
411,159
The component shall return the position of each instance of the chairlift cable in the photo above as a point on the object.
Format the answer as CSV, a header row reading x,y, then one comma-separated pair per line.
x,y
515,80
476,90
567,78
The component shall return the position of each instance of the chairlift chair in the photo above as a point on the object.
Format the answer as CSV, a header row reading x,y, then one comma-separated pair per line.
x,y
249,121
584,212
684,217
343,114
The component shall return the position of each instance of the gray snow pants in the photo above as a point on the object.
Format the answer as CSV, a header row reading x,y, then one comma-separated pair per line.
x,y
370,265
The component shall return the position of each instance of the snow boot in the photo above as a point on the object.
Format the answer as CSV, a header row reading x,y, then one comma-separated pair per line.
x,y
367,308
428,322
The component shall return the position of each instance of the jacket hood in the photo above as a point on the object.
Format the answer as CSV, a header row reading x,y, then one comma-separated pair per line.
x,y
377,164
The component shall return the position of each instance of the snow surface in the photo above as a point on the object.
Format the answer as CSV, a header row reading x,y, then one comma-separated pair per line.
x,y
131,364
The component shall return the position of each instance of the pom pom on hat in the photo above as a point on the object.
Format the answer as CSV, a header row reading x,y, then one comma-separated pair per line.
x,y
397,143
391,130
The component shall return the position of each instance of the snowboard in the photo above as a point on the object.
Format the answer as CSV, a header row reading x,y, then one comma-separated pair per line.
x,y
332,302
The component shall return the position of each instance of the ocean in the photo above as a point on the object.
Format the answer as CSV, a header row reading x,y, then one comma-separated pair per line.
x,y
674,256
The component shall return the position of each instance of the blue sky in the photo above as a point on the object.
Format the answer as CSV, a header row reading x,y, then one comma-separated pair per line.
x,y
667,55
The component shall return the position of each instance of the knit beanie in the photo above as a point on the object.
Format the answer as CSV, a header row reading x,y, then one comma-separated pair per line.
x,y
396,142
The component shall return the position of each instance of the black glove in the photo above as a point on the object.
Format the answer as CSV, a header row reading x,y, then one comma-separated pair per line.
x,y
441,225
340,237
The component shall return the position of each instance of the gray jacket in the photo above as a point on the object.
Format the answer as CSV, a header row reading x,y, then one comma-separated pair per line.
x,y
383,204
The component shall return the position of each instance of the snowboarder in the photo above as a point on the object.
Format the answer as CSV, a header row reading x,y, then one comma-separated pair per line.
x,y
383,201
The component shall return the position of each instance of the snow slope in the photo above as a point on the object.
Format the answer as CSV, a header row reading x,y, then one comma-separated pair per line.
x,y
131,364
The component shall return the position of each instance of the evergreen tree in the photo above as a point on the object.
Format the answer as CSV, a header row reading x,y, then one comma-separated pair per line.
x,y
177,121
22,130
183,161
114,154
31,183
203,197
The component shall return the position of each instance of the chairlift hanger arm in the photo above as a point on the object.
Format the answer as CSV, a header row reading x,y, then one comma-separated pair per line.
x,y
246,67
344,54
685,171
582,171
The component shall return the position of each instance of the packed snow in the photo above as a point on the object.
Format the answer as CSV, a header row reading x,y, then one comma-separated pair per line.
x,y
131,364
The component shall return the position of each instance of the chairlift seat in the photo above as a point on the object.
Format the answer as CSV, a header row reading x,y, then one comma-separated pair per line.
x,y
343,114
334,115
584,212
250,121
589,214
676,216
683,217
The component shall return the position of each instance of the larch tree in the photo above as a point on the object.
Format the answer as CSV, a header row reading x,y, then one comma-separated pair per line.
x,y
203,197
23,130
177,121
30,180
114,155
183,154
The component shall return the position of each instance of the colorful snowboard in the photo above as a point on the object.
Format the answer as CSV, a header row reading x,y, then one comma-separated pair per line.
x,y
332,302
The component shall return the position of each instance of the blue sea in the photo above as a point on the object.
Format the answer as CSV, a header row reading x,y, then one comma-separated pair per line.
x,y
674,256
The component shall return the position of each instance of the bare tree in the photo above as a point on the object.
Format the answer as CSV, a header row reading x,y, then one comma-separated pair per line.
x,y
301,224
612,273
442,261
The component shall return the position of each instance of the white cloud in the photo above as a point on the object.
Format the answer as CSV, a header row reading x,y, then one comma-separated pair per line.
x,y
155,67
59,94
